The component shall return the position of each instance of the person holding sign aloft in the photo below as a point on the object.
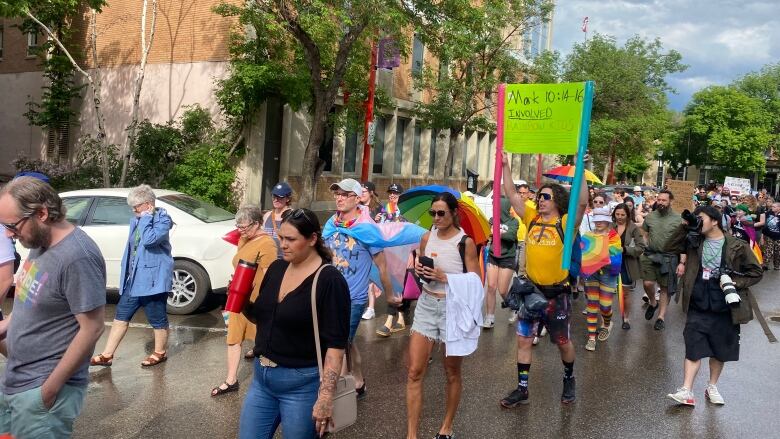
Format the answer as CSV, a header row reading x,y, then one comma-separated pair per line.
x,y
544,259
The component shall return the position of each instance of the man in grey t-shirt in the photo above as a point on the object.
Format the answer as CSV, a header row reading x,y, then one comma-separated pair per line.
x,y
57,315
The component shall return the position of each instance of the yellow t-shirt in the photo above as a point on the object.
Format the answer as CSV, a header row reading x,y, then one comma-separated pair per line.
x,y
521,228
543,250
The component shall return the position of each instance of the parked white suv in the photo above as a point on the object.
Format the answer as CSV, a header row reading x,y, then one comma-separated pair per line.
x,y
202,259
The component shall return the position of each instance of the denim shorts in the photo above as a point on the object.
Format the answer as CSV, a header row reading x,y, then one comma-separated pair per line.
x,y
154,308
430,317
355,315
24,415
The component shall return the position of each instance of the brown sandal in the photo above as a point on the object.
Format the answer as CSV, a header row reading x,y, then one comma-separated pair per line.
x,y
154,359
102,360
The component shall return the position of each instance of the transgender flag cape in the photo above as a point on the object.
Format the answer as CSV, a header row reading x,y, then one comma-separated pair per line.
x,y
396,239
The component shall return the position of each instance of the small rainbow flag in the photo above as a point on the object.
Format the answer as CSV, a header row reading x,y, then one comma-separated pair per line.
x,y
599,251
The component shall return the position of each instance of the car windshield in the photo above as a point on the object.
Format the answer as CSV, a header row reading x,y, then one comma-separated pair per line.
x,y
206,212
486,190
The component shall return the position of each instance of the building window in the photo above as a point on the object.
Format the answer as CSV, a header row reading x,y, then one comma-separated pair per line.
x,y
326,147
432,155
350,150
417,56
465,153
57,141
32,43
1,42
398,156
379,145
416,151
480,138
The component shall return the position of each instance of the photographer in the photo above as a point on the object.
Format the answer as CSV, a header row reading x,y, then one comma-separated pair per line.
x,y
716,271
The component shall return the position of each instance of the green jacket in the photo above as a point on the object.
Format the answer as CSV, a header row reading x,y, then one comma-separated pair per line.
x,y
509,226
739,257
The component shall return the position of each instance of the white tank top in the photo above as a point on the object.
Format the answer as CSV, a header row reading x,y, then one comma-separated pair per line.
x,y
446,257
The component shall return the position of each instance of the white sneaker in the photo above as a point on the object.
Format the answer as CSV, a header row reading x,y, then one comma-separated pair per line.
x,y
657,295
590,345
544,331
368,314
713,395
536,341
512,317
683,396
490,322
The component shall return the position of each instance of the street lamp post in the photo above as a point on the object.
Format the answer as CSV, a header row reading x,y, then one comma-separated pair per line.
x,y
685,171
660,180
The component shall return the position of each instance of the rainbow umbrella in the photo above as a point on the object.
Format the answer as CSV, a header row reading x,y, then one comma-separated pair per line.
x,y
416,202
566,173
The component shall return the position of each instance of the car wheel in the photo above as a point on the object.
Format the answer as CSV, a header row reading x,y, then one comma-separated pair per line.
x,y
190,287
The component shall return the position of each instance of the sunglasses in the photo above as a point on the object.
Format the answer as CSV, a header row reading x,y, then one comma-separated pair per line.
x,y
14,227
594,201
439,213
544,196
297,213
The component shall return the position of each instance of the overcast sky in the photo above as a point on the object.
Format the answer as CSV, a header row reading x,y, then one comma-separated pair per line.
x,y
719,39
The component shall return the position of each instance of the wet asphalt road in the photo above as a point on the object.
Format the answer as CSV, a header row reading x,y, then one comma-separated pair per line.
x,y
621,387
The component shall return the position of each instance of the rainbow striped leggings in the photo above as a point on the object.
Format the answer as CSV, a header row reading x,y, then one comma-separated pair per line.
x,y
600,288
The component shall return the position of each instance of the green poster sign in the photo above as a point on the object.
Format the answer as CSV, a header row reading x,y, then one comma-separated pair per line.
x,y
543,118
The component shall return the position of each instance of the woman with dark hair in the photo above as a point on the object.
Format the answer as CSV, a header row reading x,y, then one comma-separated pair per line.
x,y
287,388
370,199
501,266
629,203
634,244
430,319
282,199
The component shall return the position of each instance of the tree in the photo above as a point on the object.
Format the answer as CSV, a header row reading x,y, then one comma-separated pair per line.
x,y
57,11
732,128
765,87
474,43
629,108
330,42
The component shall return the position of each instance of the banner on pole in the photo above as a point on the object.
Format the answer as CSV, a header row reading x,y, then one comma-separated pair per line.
x,y
737,186
543,118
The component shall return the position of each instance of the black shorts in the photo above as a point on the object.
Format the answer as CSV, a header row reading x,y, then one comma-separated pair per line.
x,y
711,335
510,263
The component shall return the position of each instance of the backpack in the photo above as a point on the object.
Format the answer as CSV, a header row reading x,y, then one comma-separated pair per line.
x,y
576,251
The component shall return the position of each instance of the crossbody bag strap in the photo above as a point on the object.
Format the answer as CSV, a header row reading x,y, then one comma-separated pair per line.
x,y
314,318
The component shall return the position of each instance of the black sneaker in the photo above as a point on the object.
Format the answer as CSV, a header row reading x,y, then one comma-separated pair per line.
x,y
567,397
650,311
659,325
361,391
444,436
517,397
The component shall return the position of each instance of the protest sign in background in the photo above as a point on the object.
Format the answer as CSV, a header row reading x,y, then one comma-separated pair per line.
x,y
737,186
683,194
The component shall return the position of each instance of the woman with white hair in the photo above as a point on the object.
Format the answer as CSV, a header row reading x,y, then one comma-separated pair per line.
x,y
146,276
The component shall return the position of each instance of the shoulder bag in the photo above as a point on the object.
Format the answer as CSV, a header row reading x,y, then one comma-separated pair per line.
x,y
344,395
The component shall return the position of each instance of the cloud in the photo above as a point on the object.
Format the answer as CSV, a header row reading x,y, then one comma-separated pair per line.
x,y
719,39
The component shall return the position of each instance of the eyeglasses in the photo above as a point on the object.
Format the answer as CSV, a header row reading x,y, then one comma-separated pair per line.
x,y
14,227
439,213
246,226
544,196
338,195
297,213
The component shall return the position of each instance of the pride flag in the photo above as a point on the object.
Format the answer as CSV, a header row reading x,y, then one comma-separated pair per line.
x,y
599,251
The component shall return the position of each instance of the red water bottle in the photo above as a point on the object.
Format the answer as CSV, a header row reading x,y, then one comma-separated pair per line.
x,y
241,286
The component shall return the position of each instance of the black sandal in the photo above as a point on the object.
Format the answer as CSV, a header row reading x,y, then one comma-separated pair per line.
x,y
220,391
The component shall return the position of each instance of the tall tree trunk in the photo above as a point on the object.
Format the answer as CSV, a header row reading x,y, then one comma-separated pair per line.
x,y
311,157
94,85
451,147
127,151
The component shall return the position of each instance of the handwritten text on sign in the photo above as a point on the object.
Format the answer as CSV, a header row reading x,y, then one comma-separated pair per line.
x,y
543,118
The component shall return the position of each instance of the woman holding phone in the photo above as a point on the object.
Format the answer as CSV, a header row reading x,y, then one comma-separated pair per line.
x,y
440,245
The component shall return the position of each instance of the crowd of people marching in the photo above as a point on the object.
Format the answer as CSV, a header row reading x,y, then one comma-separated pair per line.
x,y
315,284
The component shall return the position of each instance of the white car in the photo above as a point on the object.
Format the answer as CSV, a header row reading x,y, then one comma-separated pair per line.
x,y
484,198
202,259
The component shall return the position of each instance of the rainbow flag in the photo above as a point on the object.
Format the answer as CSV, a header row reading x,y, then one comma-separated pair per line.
x,y
599,251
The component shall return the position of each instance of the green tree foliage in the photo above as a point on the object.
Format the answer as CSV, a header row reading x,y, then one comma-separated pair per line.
x,y
731,128
765,87
475,44
205,172
629,108
304,52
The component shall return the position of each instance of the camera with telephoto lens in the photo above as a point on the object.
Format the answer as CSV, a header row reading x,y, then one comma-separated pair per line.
x,y
694,237
730,290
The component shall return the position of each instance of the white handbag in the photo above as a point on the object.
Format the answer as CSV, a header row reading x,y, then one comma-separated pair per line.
x,y
344,395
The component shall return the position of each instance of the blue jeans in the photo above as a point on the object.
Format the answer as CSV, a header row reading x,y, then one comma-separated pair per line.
x,y
355,315
280,395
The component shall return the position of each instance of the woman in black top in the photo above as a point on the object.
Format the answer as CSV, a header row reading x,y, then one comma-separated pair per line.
x,y
287,388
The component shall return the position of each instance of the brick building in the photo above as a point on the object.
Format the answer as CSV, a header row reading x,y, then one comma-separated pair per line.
x,y
190,52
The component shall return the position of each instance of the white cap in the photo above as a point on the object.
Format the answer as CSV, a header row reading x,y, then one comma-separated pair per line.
x,y
348,185
601,214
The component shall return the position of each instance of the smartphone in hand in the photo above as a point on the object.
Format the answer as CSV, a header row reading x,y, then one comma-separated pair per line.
x,y
425,261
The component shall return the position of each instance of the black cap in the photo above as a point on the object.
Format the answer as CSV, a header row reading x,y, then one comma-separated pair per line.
x,y
371,187
395,187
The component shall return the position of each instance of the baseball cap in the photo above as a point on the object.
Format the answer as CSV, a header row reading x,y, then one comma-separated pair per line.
x,y
348,185
282,189
602,214
395,187
369,186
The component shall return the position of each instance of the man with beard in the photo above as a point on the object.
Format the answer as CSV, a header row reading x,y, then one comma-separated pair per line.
x,y
657,266
57,314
